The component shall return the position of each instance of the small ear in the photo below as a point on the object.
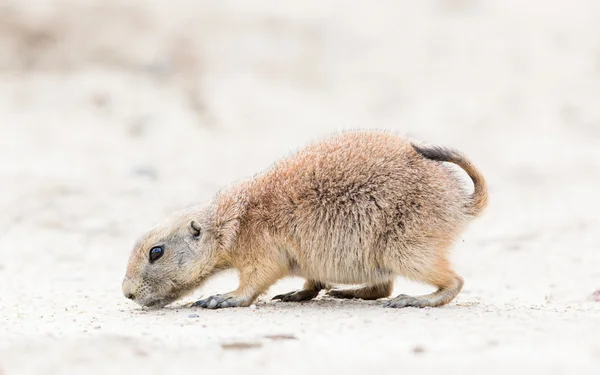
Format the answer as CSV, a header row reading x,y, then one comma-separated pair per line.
x,y
195,228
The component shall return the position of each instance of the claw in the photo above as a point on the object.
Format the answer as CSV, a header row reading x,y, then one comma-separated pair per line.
x,y
200,303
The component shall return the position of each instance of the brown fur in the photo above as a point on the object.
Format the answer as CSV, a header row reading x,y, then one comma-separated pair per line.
x,y
358,208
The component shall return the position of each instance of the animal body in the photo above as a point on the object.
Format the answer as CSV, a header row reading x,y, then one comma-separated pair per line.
x,y
359,208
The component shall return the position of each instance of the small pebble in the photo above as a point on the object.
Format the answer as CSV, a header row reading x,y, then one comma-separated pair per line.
x,y
252,307
241,345
146,171
281,337
193,316
418,349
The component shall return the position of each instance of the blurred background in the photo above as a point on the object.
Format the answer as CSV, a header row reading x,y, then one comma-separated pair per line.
x,y
114,113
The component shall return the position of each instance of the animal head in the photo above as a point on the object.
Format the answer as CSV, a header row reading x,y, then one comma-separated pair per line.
x,y
176,257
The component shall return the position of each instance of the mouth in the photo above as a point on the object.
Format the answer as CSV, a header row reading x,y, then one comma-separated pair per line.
x,y
156,303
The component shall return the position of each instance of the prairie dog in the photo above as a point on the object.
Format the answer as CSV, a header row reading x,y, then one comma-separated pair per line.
x,y
359,207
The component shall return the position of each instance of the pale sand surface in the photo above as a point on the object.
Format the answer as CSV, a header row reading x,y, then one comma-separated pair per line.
x,y
112,117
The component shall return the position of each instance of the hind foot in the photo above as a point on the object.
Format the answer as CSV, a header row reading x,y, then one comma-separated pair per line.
x,y
404,300
368,293
442,296
310,291
297,296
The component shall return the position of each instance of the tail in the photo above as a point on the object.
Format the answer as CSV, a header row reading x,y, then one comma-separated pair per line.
x,y
479,199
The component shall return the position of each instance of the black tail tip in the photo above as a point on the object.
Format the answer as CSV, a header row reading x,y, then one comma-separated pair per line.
x,y
436,153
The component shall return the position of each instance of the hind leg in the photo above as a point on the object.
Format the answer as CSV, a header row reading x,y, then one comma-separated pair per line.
x,y
311,290
441,275
370,292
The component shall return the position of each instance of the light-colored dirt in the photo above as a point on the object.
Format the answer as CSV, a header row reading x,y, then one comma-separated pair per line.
x,y
111,117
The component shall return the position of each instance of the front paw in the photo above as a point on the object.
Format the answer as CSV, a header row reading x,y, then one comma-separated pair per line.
x,y
219,301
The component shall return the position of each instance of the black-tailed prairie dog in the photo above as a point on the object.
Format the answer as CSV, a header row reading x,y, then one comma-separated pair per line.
x,y
358,208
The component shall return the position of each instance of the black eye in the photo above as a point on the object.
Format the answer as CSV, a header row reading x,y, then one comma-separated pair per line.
x,y
155,253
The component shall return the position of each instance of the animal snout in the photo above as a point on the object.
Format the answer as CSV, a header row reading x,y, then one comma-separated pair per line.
x,y
128,291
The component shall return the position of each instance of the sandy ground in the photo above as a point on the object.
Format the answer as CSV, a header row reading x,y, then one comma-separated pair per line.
x,y
111,117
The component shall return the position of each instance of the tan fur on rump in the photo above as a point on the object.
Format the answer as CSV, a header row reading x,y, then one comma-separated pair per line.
x,y
360,207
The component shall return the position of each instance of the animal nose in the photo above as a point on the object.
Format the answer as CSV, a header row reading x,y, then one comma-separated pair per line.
x,y
128,291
